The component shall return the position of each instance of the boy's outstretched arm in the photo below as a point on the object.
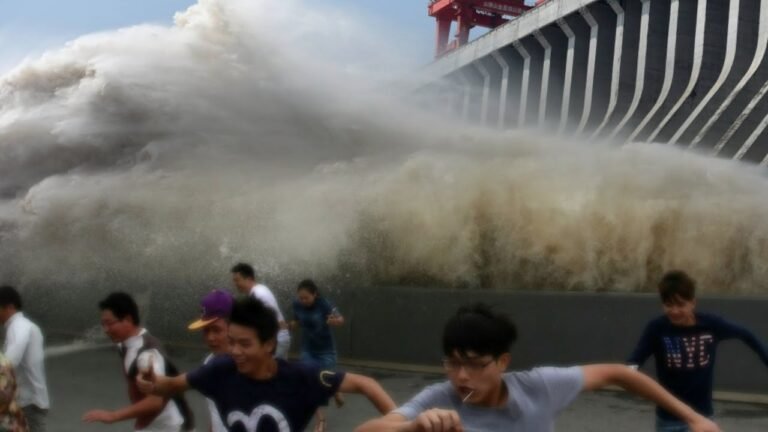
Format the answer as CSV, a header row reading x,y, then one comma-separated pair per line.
x,y
433,420
644,347
601,375
354,383
729,330
151,405
162,386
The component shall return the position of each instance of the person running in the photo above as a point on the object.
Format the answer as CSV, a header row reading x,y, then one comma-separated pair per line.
x,y
245,280
139,351
256,392
481,396
214,323
315,315
684,344
24,348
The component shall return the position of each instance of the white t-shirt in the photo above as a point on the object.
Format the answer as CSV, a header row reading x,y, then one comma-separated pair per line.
x,y
170,419
264,294
216,424
24,349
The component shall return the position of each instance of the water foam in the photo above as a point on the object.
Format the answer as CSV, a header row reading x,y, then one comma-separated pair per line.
x,y
154,155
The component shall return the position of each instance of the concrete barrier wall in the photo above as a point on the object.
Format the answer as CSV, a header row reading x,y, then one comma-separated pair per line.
x,y
685,72
404,325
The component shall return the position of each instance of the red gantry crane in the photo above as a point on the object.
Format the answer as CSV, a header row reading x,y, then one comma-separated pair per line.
x,y
468,14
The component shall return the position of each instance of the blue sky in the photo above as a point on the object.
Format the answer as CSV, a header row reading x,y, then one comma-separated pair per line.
x,y
29,27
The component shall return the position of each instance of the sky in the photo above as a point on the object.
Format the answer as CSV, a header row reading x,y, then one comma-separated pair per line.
x,y
30,27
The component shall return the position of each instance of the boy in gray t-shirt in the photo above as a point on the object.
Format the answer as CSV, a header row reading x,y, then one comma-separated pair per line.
x,y
540,394
481,397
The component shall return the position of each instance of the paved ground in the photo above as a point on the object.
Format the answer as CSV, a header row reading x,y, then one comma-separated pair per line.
x,y
86,380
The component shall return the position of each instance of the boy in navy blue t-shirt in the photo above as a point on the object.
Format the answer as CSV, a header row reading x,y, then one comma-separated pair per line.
x,y
253,391
684,344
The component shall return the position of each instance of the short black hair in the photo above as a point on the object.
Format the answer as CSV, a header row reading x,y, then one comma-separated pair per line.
x,y
9,296
676,285
121,305
477,328
254,314
308,285
246,270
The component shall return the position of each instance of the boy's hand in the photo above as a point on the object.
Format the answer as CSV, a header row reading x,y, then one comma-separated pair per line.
x,y
335,318
704,424
146,380
101,416
438,420
147,384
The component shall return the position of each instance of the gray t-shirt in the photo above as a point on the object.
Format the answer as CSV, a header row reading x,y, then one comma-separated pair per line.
x,y
535,399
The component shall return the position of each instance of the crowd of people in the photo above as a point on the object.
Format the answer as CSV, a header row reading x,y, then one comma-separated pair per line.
x,y
251,386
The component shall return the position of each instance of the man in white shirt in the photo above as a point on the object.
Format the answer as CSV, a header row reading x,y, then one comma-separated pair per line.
x,y
140,353
244,279
24,349
214,323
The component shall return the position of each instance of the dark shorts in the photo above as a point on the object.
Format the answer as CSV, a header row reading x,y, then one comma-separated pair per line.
x,y
35,418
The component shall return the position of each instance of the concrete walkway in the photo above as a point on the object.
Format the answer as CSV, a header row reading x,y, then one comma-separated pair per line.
x,y
92,379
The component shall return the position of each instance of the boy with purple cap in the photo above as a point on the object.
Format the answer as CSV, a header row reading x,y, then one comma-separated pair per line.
x,y
214,322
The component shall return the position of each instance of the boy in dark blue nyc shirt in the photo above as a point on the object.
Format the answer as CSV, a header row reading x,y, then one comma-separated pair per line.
x,y
684,344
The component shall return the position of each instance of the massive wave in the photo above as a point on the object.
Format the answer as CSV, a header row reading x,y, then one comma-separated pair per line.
x,y
247,131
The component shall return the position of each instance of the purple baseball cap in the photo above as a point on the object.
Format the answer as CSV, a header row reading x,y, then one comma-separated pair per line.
x,y
216,304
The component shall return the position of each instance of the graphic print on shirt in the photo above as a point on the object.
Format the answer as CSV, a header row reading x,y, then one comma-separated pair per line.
x,y
688,352
326,376
251,422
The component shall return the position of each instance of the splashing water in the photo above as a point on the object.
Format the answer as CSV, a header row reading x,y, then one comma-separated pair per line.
x,y
160,156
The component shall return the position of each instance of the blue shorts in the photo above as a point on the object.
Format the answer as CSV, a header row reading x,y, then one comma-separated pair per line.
x,y
325,361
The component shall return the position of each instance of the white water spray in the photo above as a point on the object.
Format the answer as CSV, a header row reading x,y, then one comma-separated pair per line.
x,y
158,155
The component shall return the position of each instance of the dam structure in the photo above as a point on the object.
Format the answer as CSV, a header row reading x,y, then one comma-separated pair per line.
x,y
691,73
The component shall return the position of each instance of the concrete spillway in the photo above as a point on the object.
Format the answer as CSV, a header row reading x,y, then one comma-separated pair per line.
x,y
692,73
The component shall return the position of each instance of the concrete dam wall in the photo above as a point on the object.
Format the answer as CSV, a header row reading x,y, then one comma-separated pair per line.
x,y
693,73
